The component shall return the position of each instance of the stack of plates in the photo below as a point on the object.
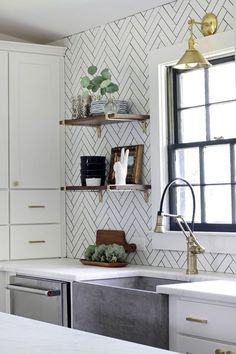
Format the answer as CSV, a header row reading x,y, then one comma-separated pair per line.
x,y
97,107
93,167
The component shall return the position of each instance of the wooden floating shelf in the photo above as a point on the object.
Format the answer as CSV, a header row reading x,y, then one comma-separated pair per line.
x,y
109,118
111,188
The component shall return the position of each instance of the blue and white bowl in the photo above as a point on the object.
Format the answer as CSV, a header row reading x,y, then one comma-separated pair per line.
x,y
97,107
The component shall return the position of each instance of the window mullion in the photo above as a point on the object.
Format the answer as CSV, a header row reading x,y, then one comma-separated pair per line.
x,y
207,107
233,194
202,182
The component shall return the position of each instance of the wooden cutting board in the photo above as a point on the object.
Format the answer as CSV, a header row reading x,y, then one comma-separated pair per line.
x,y
108,237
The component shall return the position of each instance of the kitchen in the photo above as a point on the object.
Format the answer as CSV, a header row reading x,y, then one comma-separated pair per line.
x,y
128,43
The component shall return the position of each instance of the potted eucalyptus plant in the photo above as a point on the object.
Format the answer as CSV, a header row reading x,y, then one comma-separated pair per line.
x,y
102,84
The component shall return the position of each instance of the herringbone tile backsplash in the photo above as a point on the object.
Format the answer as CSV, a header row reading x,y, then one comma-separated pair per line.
x,y
123,47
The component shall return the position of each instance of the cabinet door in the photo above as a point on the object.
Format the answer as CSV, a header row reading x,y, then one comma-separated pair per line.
x,y
4,242
4,208
4,120
34,101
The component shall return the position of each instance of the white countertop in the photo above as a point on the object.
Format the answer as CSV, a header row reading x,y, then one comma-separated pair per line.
x,y
20,335
72,270
216,290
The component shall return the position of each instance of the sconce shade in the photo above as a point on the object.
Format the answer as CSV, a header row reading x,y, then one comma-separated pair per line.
x,y
192,59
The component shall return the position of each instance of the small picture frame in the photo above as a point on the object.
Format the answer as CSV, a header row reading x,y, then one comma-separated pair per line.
x,y
135,161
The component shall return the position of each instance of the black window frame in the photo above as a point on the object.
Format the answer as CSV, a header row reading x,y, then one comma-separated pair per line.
x,y
174,145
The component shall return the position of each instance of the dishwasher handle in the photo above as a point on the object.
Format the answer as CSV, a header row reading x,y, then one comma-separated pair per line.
x,y
49,293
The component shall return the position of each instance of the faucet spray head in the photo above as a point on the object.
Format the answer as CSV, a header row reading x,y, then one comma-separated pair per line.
x,y
160,225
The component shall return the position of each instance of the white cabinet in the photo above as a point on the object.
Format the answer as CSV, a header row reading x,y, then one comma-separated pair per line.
x,y
4,242
198,326
34,99
35,207
31,106
35,241
4,119
193,345
4,207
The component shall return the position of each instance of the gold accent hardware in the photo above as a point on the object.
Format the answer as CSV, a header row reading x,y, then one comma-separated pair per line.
x,y
192,319
99,130
144,125
146,196
209,24
36,206
193,246
192,58
100,196
15,183
37,241
220,351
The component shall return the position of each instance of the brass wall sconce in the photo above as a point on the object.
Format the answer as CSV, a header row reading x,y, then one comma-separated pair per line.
x,y
192,58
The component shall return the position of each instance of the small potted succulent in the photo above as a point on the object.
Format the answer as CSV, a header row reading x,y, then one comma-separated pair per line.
x,y
101,83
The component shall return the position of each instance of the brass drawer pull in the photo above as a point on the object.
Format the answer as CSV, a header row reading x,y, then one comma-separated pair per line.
x,y
36,206
192,319
37,241
220,351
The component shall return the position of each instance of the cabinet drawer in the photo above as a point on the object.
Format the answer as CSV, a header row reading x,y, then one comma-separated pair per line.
x,y
4,242
4,205
35,241
189,345
206,320
28,207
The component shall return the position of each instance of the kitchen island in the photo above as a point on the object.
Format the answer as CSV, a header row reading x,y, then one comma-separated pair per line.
x,y
24,336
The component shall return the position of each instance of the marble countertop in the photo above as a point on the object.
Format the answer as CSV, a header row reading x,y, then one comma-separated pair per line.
x,y
215,290
72,270
20,335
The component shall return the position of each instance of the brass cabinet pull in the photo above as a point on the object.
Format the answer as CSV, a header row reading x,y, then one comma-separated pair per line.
x,y
37,241
192,319
36,206
220,351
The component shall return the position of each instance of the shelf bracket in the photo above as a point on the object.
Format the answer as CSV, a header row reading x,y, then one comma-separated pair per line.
x,y
99,130
146,196
144,126
100,196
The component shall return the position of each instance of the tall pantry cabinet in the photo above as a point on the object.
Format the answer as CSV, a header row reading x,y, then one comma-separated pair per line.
x,y
31,106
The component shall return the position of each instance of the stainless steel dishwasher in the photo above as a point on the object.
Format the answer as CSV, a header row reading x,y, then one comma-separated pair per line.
x,y
40,299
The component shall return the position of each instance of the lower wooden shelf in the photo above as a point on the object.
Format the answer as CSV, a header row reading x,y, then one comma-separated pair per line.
x,y
111,188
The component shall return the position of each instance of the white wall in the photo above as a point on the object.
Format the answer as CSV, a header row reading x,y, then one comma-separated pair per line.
x,y
123,46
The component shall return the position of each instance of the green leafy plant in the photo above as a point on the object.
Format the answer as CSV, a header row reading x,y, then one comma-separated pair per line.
x,y
100,82
115,253
106,253
89,252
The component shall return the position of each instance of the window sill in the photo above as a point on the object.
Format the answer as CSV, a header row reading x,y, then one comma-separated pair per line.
x,y
214,242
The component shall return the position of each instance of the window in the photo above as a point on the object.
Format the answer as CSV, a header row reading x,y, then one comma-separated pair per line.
x,y
202,145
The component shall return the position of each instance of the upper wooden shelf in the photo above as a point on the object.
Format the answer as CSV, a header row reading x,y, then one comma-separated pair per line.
x,y
109,187
109,118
